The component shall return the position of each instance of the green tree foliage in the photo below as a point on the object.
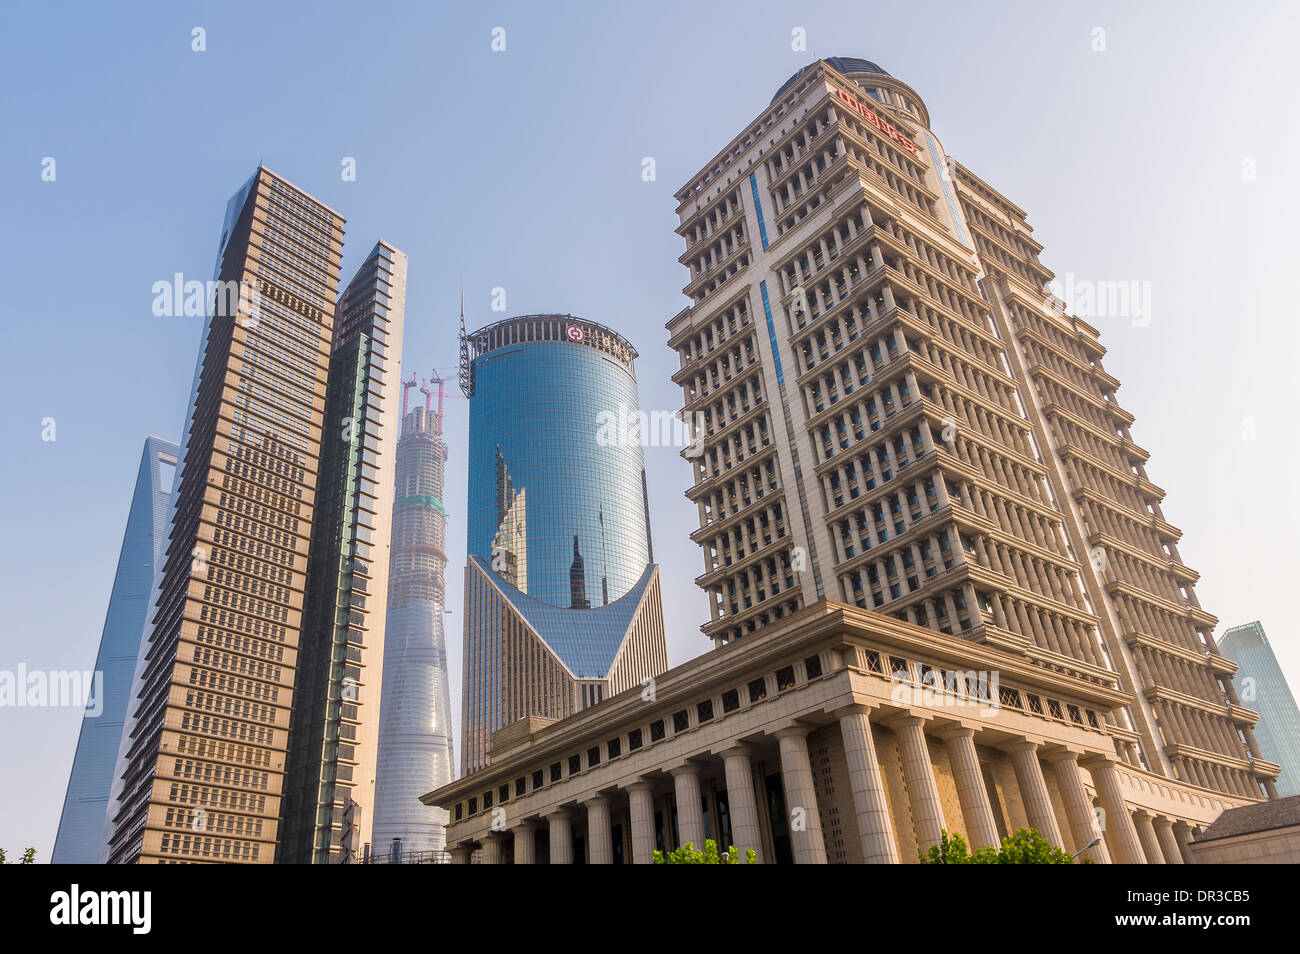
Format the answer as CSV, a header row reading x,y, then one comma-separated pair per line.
x,y
1025,847
687,855
29,857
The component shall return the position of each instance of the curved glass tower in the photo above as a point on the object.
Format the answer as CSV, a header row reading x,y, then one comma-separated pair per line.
x,y
563,511
558,523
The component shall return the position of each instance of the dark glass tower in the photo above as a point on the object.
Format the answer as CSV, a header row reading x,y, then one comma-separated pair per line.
x,y
560,574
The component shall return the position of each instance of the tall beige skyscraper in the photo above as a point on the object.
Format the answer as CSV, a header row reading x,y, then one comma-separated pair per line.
x,y
898,416
267,612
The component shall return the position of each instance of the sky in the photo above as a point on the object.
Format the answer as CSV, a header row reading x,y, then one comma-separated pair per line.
x,y
1149,143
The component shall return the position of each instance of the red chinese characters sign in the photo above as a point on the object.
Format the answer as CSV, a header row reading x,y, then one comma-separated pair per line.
x,y
884,126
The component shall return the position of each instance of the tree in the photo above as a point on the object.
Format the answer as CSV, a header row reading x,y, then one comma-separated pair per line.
x,y
29,857
1025,847
687,855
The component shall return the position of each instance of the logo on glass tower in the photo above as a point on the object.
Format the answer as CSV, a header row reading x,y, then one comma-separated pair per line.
x,y
574,334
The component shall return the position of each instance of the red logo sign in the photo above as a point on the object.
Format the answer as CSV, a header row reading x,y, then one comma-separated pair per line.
x,y
880,124
574,334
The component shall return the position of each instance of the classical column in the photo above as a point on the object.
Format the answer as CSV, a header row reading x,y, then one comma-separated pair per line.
x,y
460,854
875,827
741,803
976,811
1183,835
1147,836
561,837
641,808
918,773
1122,836
1078,806
1033,791
1168,843
599,839
491,849
525,843
796,775
690,816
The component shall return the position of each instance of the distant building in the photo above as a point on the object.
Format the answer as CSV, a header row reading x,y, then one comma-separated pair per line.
x,y
415,736
562,598
86,802
1263,687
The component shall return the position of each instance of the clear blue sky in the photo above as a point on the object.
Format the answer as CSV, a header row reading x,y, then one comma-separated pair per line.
x,y
522,169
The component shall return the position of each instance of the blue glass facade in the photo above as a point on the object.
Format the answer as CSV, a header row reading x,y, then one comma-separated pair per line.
x,y
85,805
556,507
1262,686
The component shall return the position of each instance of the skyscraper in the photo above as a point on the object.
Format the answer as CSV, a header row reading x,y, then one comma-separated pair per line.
x,y
201,770
1263,686
897,416
562,600
86,801
333,729
415,739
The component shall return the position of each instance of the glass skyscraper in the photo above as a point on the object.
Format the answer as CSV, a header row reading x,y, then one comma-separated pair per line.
x,y
86,802
1263,687
558,525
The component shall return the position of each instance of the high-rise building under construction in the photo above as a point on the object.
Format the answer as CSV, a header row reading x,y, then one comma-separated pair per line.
x,y
415,738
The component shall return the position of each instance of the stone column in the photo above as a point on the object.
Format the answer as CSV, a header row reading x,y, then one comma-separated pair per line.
x,y
741,803
600,844
525,843
1168,843
918,773
690,816
1123,838
1183,835
561,837
796,776
641,808
1147,835
976,810
1033,791
1078,806
875,827
491,849
460,854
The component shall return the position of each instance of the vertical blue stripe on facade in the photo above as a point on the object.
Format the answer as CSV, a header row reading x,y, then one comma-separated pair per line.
x,y
941,167
771,333
758,207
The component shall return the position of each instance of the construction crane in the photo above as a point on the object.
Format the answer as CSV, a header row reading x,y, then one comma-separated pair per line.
x,y
406,393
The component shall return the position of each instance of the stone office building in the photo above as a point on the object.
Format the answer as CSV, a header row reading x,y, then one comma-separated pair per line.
x,y
835,735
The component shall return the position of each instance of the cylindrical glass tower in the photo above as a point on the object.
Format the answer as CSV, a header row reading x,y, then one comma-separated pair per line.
x,y
557,503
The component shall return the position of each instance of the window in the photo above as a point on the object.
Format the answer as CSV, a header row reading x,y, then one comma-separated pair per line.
x,y
731,700
681,721
556,773
575,764
503,794
538,779
615,747
487,800
784,678
657,730
704,711
521,787
757,690
473,805
634,740
593,756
